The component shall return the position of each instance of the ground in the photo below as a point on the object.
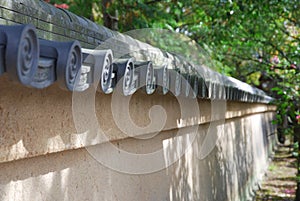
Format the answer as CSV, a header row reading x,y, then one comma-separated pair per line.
x,y
280,180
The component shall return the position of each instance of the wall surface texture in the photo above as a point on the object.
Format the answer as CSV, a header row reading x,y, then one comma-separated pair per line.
x,y
46,154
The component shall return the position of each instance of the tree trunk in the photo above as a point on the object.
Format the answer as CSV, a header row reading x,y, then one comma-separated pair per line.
x,y
109,20
296,134
297,198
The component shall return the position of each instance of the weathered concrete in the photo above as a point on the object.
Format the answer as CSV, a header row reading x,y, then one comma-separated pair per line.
x,y
43,158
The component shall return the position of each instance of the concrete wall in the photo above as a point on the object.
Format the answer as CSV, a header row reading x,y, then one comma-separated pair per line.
x,y
44,155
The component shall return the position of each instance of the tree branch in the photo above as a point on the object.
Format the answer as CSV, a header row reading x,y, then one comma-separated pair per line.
x,y
152,2
248,59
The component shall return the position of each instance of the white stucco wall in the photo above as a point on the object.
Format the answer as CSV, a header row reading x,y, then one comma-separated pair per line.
x,y
41,159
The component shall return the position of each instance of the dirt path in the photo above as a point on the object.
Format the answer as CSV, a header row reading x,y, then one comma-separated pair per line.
x,y
280,181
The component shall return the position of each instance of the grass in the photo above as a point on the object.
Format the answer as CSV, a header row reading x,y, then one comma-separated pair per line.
x,y
272,167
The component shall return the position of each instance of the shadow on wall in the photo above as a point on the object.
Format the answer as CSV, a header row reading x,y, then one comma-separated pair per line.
x,y
61,176
75,175
22,113
234,167
229,172
69,175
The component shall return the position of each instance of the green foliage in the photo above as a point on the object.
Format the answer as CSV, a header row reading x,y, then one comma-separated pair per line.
x,y
288,95
86,8
272,167
295,150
